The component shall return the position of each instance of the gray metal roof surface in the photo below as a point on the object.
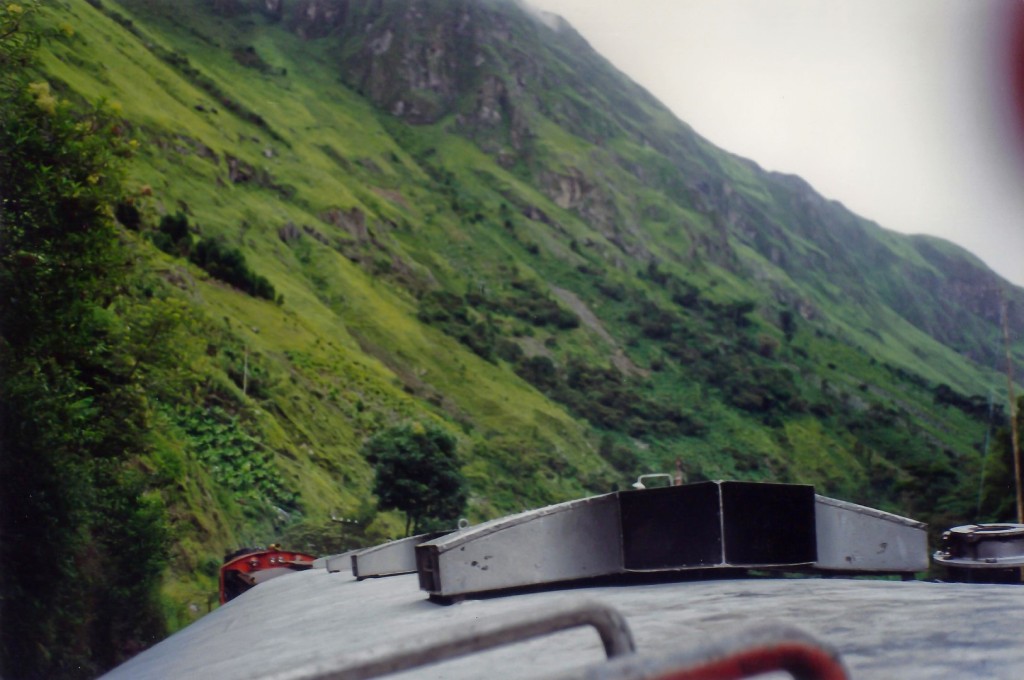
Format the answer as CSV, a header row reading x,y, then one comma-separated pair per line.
x,y
882,629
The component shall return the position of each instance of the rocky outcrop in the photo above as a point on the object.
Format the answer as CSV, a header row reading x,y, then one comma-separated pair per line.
x,y
499,75
410,62
352,221
313,18
239,171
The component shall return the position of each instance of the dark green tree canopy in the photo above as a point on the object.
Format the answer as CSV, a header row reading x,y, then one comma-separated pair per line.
x,y
82,541
417,472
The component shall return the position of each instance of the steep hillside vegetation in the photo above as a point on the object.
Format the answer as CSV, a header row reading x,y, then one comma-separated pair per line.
x,y
347,215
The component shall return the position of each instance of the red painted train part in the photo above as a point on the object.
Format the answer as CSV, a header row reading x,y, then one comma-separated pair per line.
x,y
241,570
745,654
800,660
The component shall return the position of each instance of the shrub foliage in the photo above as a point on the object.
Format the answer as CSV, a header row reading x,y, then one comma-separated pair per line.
x,y
82,539
418,473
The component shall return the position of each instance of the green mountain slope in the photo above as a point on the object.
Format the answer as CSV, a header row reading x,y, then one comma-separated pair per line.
x,y
468,216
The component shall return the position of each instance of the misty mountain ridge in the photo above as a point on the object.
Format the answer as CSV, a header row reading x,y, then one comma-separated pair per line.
x,y
465,215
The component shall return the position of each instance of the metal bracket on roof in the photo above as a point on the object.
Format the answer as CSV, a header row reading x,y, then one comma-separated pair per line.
x,y
390,559
694,527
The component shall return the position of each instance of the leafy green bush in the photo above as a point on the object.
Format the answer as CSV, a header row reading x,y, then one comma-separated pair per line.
x,y
605,398
529,303
128,215
976,406
469,318
213,255
539,371
228,264
330,537
235,459
997,498
622,458
83,539
449,313
172,236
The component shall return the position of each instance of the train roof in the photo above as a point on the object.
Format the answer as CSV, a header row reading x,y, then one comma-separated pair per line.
x,y
648,578
315,621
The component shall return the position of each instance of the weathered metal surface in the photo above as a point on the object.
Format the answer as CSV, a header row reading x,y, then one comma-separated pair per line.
x,y
706,525
883,629
342,623
336,563
745,654
573,540
855,538
718,524
480,636
983,546
389,559
983,553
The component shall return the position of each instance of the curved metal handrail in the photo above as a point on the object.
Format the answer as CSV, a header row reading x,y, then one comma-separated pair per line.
x,y
752,652
483,635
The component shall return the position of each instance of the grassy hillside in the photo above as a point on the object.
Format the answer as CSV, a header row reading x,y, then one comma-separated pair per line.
x,y
468,217
344,354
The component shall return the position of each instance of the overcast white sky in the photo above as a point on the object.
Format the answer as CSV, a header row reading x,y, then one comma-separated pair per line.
x,y
891,107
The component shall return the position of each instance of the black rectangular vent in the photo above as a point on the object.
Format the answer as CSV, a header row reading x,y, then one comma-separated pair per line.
x,y
768,524
427,568
718,524
675,527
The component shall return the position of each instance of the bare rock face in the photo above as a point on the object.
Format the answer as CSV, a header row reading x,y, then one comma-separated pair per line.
x,y
567,191
239,172
421,61
353,221
412,61
273,8
492,101
314,18
576,192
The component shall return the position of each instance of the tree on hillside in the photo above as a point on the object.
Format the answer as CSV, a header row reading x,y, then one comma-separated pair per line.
x,y
999,491
82,541
418,473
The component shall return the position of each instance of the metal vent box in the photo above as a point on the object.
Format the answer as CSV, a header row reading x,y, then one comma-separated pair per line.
x,y
718,524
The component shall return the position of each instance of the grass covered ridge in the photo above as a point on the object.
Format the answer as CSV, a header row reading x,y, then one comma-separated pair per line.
x,y
577,293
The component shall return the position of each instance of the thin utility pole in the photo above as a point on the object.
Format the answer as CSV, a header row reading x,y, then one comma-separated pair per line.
x,y
984,455
1014,434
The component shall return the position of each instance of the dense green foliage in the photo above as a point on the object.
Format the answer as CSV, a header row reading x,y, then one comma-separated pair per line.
x,y
212,255
82,541
308,245
417,472
228,264
997,489
236,460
